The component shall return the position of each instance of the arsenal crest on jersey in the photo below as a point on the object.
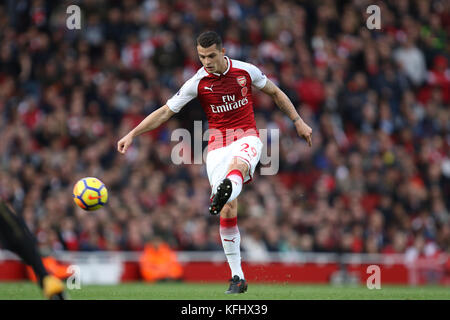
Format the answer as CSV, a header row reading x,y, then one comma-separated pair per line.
x,y
242,80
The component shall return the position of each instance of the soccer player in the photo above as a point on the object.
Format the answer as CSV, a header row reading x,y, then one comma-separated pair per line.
x,y
224,89
16,237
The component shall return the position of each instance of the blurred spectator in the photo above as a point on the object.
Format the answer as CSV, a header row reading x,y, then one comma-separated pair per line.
x,y
253,245
411,60
159,262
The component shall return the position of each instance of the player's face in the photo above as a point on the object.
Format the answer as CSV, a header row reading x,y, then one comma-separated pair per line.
x,y
212,58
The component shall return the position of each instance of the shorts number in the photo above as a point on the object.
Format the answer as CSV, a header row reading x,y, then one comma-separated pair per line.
x,y
246,146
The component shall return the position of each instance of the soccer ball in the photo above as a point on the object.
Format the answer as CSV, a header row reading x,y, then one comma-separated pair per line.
x,y
90,194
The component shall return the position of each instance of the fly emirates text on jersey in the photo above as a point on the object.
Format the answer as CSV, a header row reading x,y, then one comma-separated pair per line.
x,y
230,103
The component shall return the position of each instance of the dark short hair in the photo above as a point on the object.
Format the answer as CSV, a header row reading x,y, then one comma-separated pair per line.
x,y
208,38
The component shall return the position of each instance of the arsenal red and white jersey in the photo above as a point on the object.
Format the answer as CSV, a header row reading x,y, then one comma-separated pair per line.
x,y
226,99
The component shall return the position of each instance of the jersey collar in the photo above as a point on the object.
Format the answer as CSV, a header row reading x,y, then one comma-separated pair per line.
x,y
225,72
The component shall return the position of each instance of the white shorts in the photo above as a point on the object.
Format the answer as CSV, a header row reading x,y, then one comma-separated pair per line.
x,y
218,161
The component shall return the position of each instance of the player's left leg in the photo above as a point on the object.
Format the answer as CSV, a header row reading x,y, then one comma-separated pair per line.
x,y
230,187
15,236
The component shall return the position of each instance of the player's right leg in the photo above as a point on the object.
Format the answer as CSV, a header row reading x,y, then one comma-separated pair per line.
x,y
231,240
228,168
16,237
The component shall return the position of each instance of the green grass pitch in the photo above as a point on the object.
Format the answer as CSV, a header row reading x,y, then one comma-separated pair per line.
x,y
215,291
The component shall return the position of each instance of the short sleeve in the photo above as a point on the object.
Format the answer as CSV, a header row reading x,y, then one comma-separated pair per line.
x,y
186,93
259,79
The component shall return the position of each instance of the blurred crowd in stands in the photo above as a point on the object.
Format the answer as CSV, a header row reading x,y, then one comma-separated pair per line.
x,y
376,180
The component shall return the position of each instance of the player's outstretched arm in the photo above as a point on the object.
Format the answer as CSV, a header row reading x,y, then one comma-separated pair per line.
x,y
285,104
152,121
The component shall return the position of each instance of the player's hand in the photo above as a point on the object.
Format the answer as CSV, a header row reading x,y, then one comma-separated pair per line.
x,y
124,143
304,131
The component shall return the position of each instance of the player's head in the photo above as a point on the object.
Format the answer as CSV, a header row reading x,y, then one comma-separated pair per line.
x,y
211,52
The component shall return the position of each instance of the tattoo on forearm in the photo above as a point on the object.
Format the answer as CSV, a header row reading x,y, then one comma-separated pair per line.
x,y
295,119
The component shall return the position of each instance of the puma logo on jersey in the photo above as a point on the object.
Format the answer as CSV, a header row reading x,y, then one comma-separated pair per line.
x,y
209,88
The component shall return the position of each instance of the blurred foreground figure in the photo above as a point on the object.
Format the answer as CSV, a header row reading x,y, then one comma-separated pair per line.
x,y
16,237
